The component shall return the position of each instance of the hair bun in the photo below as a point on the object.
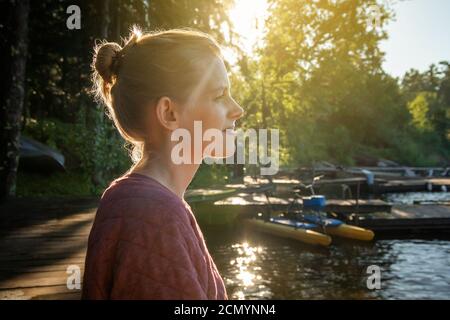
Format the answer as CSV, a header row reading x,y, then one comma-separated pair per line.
x,y
104,60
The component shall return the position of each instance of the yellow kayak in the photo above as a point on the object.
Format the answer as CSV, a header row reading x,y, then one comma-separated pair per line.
x,y
351,232
338,228
290,229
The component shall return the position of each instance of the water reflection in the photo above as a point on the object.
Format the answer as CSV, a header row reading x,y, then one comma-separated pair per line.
x,y
245,271
256,266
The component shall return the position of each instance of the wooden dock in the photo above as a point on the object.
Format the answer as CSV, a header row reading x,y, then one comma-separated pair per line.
x,y
384,185
258,202
38,242
408,220
413,185
386,179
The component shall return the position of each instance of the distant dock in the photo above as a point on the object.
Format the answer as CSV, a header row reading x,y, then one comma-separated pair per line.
x,y
377,215
409,220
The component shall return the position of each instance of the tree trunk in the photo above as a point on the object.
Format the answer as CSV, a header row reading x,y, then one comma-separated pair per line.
x,y
117,32
105,19
97,176
12,106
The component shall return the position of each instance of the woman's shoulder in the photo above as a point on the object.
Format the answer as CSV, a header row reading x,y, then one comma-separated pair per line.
x,y
135,195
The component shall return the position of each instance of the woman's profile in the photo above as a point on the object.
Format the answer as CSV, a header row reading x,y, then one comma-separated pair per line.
x,y
145,242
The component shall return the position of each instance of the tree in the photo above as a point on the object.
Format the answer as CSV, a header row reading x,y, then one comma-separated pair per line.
x,y
13,94
420,109
319,78
427,95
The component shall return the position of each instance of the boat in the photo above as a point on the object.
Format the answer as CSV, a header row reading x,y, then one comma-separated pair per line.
x,y
313,208
289,228
309,226
338,228
38,157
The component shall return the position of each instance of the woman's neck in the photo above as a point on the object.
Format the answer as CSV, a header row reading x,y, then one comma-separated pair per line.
x,y
161,168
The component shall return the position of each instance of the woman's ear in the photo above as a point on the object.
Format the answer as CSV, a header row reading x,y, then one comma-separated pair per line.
x,y
166,113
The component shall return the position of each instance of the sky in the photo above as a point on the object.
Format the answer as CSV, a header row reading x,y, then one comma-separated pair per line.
x,y
419,36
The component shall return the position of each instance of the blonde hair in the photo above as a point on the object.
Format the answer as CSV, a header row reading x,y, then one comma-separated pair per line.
x,y
149,66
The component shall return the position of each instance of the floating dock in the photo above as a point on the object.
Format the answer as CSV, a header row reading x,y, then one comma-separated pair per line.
x,y
248,203
408,220
377,215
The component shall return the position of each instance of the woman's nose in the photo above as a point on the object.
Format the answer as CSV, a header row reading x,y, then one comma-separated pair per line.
x,y
237,111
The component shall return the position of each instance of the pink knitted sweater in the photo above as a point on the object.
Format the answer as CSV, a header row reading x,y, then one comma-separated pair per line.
x,y
146,244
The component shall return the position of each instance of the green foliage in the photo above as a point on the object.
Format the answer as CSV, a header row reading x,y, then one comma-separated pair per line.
x,y
57,184
318,78
420,109
208,175
86,151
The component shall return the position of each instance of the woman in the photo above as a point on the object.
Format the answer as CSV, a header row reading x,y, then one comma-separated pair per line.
x,y
145,242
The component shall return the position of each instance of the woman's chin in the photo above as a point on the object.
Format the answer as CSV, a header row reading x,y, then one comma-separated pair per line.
x,y
223,154
225,149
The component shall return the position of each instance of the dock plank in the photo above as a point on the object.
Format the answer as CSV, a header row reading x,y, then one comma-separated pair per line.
x,y
407,219
35,279
38,241
255,201
59,292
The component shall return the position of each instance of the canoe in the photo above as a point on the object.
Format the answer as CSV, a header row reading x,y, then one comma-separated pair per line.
x,y
38,157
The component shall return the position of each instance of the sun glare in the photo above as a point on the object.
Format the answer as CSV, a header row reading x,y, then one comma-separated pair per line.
x,y
247,17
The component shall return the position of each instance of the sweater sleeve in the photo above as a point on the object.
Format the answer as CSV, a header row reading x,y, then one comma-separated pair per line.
x,y
154,259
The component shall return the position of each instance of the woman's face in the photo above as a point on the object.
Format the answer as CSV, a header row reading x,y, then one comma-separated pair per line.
x,y
211,106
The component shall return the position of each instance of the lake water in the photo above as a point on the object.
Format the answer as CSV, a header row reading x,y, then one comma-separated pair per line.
x,y
258,266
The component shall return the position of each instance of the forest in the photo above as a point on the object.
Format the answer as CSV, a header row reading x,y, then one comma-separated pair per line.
x,y
317,76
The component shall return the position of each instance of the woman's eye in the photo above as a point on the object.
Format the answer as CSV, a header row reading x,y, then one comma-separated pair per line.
x,y
219,97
